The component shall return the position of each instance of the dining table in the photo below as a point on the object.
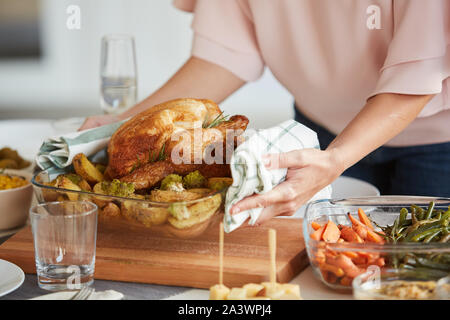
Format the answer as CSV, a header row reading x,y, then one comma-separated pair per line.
x,y
27,135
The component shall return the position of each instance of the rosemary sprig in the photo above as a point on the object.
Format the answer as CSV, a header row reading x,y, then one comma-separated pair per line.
x,y
218,120
162,155
153,157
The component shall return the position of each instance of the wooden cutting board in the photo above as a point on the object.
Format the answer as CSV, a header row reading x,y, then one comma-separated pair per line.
x,y
140,257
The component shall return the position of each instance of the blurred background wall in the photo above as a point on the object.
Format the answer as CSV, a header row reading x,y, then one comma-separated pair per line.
x,y
49,71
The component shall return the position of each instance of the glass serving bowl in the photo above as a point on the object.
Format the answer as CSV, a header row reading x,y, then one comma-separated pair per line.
x,y
395,284
129,213
382,211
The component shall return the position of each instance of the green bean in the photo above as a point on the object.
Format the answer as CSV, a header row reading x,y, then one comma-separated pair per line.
x,y
425,233
430,264
419,212
413,215
420,227
425,225
402,216
432,236
395,227
424,273
429,211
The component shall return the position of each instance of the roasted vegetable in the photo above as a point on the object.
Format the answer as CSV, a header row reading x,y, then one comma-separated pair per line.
x,y
197,213
158,195
172,182
86,169
340,266
65,183
10,159
144,213
194,180
110,210
117,188
79,181
425,225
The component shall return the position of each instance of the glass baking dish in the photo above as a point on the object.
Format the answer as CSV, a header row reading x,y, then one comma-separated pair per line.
x,y
130,213
383,211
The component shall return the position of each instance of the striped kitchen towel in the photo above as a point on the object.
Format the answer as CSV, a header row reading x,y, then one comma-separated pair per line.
x,y
251,176
58,152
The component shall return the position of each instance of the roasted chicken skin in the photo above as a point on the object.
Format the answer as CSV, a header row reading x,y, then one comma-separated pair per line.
x,y
142,150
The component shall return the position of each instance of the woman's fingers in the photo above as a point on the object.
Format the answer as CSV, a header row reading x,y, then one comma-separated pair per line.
x,y
98,121
284,192
292,159
281,209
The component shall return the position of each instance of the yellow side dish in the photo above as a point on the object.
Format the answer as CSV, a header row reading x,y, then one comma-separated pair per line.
x,y
11,182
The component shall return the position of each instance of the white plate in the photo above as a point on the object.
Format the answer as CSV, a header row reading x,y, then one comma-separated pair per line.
x,y
346,187
11,278
25,136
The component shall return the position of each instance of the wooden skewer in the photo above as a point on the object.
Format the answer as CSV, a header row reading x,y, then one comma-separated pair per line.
x,y
273,251
221,254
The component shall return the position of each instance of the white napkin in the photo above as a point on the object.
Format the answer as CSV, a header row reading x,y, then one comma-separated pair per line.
x,y
67,295
251,176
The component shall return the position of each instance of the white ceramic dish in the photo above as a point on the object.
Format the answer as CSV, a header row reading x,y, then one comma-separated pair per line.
x,y
25,136
346,187
11,278
15,203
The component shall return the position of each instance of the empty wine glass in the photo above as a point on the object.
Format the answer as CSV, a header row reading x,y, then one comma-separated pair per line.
x,y
118,73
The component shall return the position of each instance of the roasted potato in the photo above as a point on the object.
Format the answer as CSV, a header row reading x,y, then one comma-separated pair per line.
x,y
203,191
98,200
158,195
148,216
110,210
50,195
79,181
85,186
65,183
100,167
199,212
86,169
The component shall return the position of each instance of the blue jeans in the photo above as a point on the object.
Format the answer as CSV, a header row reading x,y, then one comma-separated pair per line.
x,y
418,170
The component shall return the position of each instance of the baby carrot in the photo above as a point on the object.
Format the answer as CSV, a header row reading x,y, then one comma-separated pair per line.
x,y
364,219
338,272
350,235
331,232
315,225
317,235
373,237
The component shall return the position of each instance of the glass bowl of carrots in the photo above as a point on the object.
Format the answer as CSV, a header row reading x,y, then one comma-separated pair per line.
x,y
344,238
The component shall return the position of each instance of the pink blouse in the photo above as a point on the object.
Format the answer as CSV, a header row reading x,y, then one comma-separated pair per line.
x,y
332,55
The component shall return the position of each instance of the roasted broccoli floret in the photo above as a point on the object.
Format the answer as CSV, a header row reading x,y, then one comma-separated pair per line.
x,y
117,188
172,182
194,180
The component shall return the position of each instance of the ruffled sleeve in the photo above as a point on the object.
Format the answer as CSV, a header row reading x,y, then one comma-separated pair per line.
x,y
418,59
224,35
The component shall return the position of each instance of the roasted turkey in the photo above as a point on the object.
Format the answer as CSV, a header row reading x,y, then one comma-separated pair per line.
x,y
173,137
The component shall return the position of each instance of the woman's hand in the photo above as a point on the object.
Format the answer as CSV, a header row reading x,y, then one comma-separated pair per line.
x,y
98,121
309,171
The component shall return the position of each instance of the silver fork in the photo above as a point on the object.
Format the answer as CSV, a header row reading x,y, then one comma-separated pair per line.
x,y
83,294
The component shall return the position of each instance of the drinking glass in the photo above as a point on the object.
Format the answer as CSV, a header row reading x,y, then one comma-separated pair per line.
x,y
118,73
64,235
